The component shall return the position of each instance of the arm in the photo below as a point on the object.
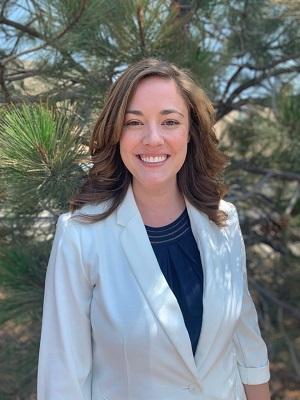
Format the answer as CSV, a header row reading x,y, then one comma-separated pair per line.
x,y
257,392
65,356
251,350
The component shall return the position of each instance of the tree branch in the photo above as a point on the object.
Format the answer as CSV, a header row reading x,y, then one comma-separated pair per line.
x,y
17,76
293,201
224,108
271,65
231,80
34,33
290,346
49,42
3,7
270,296
140,20
23,28
291,176
7,97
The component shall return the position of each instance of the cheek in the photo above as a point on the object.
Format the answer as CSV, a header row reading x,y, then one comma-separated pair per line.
x,y
128,141
184,153
182,148
181,141
123,148
127,144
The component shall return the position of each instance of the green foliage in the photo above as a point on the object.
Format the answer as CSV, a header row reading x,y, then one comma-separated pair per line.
x,y
246,56
40,152
268,139
261,143
288,107
18,374
22,276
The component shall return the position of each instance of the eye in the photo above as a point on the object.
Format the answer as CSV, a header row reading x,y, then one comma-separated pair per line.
x,y
133,123
171,122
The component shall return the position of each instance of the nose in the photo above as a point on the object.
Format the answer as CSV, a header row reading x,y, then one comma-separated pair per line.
x,y
153,136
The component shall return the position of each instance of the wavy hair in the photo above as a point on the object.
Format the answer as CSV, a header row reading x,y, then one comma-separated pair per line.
x,y
200,177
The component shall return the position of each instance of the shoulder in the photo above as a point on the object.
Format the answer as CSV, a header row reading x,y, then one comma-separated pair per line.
x,y
73,221
227,206
231,212
92,209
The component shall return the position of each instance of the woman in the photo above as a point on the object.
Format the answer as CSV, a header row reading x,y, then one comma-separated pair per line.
x,y
146,294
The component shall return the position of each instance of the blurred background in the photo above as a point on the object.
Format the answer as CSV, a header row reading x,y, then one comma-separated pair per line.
x,y
57,60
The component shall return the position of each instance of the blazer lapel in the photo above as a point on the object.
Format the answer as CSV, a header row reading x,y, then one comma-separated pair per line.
x,y
151,280
217,285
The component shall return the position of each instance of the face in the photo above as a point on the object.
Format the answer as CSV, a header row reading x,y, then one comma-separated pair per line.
x,y
155,134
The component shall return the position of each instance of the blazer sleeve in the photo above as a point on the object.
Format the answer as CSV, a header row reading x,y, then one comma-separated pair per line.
x,y
251,350
65,354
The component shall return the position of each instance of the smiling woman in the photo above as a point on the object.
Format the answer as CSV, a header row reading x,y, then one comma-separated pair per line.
x,y
154,140
146,291
199,178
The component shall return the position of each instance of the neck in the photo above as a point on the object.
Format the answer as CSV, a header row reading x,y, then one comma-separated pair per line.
x,y
158,207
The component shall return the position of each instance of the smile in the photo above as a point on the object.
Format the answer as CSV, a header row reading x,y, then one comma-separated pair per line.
x,y
153,159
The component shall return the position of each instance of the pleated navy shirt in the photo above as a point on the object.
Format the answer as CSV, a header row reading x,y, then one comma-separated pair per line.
x,y
179,259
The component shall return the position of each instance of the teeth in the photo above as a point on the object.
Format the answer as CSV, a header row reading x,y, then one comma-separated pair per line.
x,y
155,159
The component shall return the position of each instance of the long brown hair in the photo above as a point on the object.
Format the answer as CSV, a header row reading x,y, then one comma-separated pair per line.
x,y
199,179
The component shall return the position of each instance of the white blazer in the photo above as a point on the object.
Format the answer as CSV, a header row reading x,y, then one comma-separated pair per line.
x,y
112,328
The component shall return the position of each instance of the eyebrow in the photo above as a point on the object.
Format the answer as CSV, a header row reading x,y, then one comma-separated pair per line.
x,y
163,112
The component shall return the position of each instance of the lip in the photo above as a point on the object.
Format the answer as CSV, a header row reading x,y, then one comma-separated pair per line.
x,y
152,154
153,164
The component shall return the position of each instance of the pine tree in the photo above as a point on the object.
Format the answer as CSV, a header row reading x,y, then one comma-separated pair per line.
x,y
57,60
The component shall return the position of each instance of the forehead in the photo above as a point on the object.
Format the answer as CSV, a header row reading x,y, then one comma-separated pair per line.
x,y
157,91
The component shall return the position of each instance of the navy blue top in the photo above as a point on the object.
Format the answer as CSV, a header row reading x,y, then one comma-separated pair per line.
x,y
178,256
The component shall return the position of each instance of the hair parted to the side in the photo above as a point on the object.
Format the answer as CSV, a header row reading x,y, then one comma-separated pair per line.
x,y
199,179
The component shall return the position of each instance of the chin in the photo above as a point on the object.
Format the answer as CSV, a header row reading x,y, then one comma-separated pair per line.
x,y
154,184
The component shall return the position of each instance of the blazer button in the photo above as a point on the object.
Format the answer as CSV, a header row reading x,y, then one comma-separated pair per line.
x,y
190,387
